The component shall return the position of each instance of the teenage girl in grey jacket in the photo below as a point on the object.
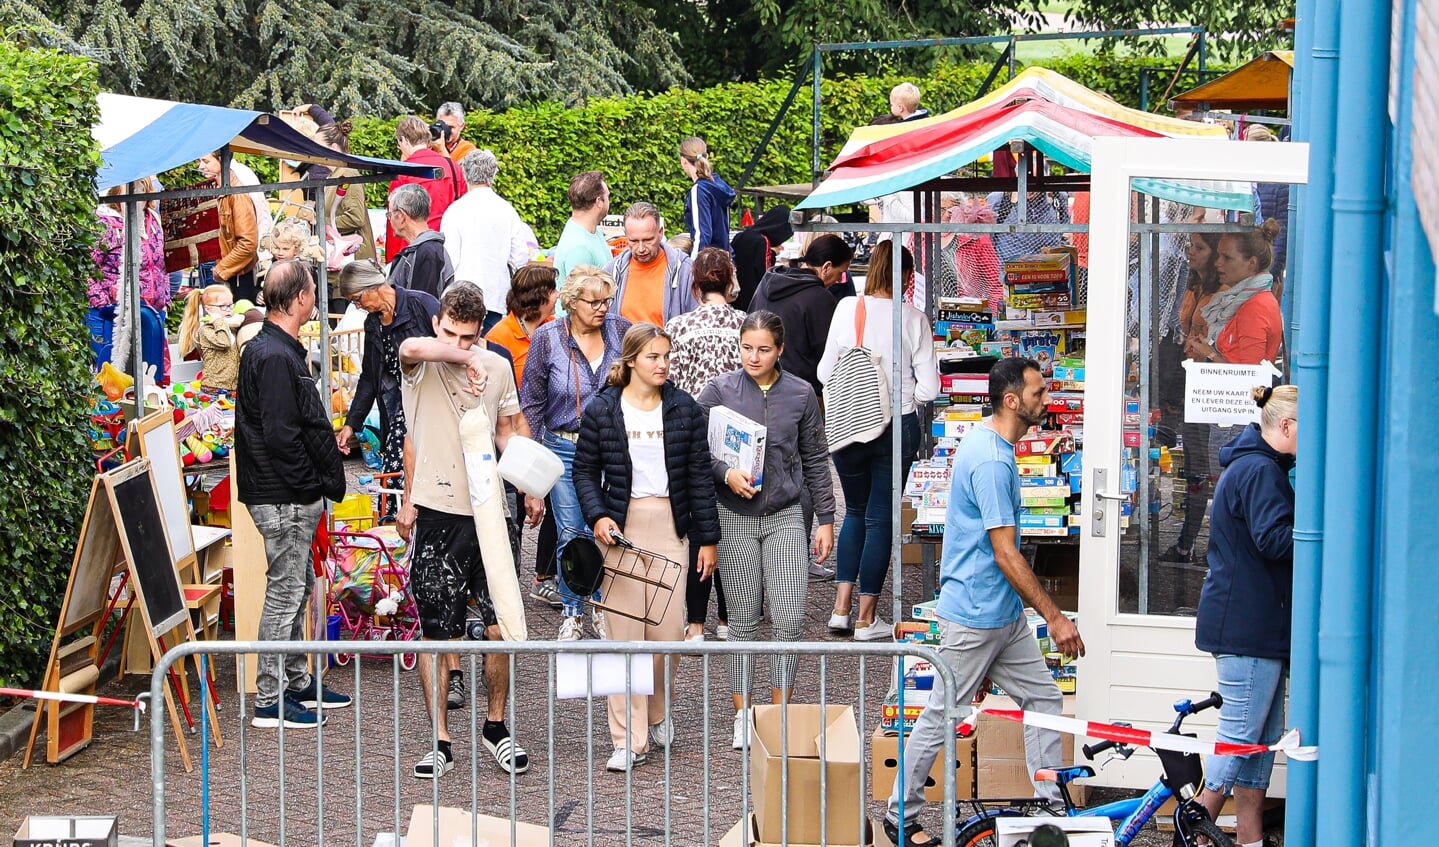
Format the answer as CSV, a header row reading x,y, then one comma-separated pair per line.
x,y
763,543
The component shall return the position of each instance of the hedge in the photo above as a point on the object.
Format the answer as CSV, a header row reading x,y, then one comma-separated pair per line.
x,y
634,140
47,230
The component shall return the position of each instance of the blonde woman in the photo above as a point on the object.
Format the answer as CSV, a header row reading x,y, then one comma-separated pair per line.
x,y
568,364
642,468
1244,606
708,200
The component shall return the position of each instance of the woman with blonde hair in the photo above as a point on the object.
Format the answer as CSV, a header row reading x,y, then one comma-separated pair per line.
x,y
642,468
708,200
568,364
1244,606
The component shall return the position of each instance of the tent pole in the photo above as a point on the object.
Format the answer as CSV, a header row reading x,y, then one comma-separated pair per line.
x,y
322,295
134,231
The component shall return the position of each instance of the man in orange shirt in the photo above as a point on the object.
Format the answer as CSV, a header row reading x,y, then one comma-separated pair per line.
x,y
457,148
654,282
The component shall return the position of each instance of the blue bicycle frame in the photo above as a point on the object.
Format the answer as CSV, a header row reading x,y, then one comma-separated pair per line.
x,y
1129,816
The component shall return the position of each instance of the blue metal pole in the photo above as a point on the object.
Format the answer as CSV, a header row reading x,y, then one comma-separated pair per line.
x,y
1404,721
1351,475
1314,80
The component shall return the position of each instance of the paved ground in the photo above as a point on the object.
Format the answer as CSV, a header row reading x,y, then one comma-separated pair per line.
x,y
361,786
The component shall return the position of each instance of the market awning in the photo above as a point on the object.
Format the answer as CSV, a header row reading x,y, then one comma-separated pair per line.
x,y
1054,114
139,137
1261,83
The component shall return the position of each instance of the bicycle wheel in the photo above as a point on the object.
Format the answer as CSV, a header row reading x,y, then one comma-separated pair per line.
x,y
1208,829
981,833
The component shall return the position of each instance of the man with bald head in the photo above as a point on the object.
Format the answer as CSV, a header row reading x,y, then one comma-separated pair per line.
x,y
286,465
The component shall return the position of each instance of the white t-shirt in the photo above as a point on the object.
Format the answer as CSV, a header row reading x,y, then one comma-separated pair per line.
x,y
487,242
919,369
646,432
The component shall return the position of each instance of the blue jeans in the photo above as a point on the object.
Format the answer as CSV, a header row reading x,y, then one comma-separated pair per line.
x,y
865,475
569,520
288,529
1253,713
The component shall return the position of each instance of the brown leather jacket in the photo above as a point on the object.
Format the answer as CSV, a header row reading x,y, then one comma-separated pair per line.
x,y
239,237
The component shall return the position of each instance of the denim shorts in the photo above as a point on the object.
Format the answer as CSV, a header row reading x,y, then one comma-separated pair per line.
x,y
1253,713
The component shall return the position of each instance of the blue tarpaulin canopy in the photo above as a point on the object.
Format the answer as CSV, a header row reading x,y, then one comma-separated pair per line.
x,y
140,137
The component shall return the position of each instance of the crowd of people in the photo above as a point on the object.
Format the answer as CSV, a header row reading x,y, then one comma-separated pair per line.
x,y
613,362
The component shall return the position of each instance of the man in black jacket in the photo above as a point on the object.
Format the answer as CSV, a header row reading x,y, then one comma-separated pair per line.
x,y
423,265
286,463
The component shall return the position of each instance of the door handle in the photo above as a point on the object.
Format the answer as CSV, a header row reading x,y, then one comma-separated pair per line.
x,y
1105,495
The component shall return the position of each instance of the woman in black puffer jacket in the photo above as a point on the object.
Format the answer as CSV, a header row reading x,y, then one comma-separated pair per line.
x,y
642,467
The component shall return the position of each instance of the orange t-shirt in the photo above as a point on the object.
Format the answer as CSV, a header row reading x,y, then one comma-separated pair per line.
x,y
645,292
509,333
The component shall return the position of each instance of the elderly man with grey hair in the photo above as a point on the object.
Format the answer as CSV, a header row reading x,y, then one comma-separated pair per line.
x,y
423,265
484,236
451,143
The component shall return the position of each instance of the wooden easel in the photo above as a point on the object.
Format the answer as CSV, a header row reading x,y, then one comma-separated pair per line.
x,y
122,527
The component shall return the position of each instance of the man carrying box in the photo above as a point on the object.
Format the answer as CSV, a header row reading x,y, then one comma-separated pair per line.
x,y
984,585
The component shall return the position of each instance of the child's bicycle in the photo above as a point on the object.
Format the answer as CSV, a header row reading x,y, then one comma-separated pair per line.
x,y
1183,778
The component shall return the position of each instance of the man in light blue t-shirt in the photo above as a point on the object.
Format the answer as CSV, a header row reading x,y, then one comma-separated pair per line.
x,y
985,583
581,243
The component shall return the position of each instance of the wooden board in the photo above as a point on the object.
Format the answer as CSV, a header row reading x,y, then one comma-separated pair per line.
x,y
156,435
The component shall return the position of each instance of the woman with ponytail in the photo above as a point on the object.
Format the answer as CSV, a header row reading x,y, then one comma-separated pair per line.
x,y
345,207
642,468
708,200
1244,607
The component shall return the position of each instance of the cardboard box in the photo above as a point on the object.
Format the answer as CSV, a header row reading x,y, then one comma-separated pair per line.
x,y
455,829
217,839
884,768
1081,832
68,831
745,833
1000,767
841,766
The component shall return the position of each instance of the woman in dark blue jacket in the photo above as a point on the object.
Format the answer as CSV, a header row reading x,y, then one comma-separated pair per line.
x,y
642,468
708,200
1244,607
396,314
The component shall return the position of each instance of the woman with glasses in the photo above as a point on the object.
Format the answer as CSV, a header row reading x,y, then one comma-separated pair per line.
x,y
396,314
568,363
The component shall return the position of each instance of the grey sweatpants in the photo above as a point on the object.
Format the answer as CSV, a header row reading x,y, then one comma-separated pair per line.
x,y
763,558
1009,656
288,530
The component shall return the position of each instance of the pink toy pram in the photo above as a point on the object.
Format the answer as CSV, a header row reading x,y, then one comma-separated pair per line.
x,y
369,575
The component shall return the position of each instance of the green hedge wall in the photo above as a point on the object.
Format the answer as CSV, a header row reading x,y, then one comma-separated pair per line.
x,y
634,139
47,230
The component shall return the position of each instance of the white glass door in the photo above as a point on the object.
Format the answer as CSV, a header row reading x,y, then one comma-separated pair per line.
x,y
1146,474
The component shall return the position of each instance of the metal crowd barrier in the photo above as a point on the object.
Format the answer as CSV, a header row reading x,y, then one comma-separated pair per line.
x,y
327,787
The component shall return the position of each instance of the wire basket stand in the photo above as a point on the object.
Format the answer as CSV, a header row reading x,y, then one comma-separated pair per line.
x,y
658,575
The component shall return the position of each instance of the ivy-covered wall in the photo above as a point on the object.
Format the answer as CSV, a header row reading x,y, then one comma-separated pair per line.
x,y
47,230
634,140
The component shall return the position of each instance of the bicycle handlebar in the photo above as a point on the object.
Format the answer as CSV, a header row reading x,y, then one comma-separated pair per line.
x,y
1092,750
1213,701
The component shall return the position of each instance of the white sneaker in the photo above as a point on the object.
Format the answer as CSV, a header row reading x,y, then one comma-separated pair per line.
x,y
840,623
663,733
572,629
622,760
743,729
597,621
699,636
876,631
722,632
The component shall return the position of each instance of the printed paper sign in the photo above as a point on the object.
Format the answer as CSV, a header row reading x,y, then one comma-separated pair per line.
x,y
1222,393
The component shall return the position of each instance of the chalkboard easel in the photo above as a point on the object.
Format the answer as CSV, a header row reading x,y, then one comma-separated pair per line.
x,y
123,527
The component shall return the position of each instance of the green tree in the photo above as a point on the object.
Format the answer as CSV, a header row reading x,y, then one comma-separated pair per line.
x,y
1238,30
361,56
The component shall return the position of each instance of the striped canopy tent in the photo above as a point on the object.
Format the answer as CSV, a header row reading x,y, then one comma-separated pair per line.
x,y
1054,114
140,137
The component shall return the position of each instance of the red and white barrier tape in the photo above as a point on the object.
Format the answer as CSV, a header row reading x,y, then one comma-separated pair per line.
x,y
1288,745
137,703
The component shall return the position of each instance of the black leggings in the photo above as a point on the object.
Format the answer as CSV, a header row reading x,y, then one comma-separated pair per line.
x,y
546,544
697,592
